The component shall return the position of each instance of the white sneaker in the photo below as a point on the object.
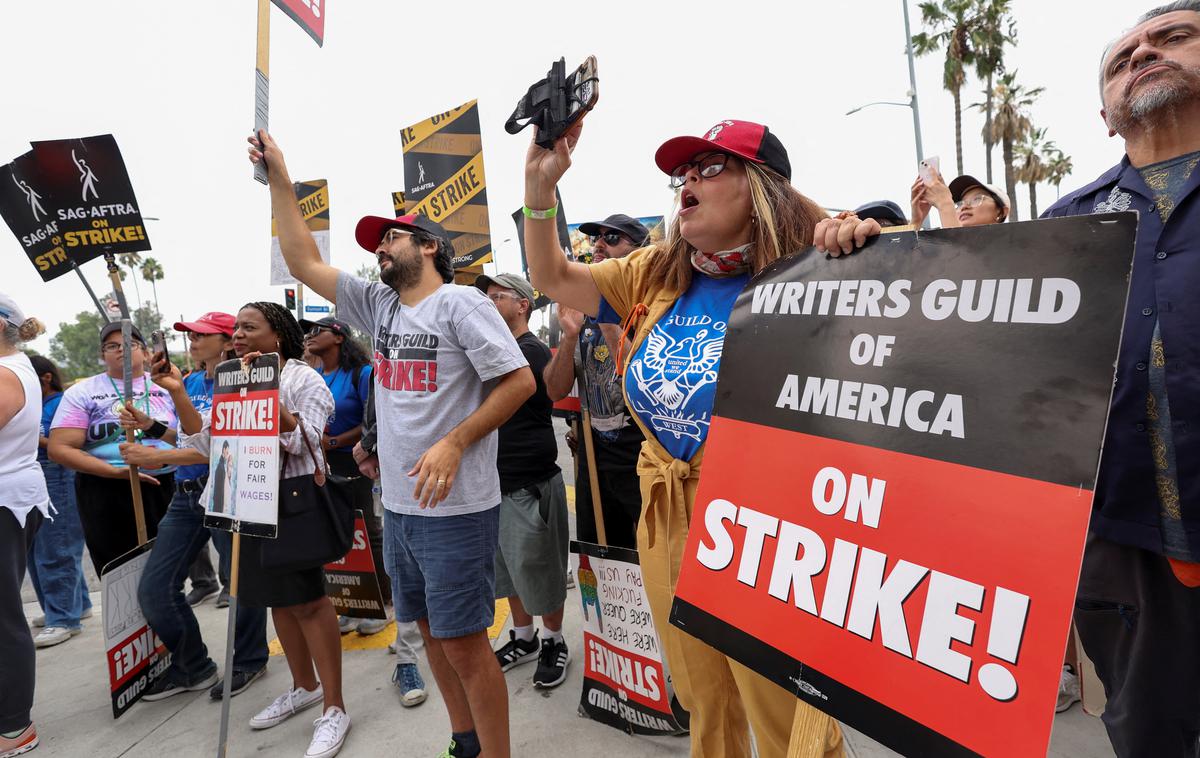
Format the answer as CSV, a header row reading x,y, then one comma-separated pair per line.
x,y
54,635
287,705
38,621
329,732
1068,690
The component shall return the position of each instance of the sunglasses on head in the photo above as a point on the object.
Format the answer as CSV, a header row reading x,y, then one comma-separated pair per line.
x,y
708,166
610,238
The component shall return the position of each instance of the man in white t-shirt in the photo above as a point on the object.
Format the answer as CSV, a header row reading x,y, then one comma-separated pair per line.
x,y
447,374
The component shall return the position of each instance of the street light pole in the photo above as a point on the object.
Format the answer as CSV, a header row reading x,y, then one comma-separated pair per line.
x,y
912,83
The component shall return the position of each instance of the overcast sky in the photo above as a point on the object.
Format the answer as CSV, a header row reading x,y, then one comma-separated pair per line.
x,y
173,81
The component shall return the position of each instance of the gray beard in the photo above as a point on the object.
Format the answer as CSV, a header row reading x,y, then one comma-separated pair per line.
x,y
1156,105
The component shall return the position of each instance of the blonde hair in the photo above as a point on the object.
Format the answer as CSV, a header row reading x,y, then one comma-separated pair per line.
x,y
782,223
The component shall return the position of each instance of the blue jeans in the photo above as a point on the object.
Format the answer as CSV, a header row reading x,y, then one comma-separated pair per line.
x,y
181,535
56,562
443,569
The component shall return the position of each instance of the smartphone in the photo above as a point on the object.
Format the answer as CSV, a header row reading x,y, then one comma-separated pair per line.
x,y
158,346
929,168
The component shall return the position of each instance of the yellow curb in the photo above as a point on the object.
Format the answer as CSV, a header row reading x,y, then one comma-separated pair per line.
x,y
356,641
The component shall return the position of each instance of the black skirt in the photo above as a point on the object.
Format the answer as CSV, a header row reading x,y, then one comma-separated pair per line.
x,y
271,589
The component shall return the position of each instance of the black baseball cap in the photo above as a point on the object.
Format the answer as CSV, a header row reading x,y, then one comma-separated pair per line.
x,y
745,139
115,326
618,222
370,229
337,326
882,210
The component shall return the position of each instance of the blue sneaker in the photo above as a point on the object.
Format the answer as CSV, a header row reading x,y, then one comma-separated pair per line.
x,y
408,680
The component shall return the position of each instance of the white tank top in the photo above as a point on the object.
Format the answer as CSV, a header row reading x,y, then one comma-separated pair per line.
x,y
22,485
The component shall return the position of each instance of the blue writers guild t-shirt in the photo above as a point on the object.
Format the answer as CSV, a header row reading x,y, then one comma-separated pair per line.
x,y
671,383
199,388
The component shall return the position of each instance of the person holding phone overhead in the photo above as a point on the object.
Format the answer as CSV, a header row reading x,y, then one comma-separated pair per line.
x,y
738,213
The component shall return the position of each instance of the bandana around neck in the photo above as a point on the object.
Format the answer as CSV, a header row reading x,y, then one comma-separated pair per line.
x,y
726,263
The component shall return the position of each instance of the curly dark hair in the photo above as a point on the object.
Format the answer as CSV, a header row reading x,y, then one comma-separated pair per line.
x,y
285,326
443,259
352,355
43,365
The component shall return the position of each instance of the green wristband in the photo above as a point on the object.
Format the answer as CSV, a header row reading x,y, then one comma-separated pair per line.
x,y
531,213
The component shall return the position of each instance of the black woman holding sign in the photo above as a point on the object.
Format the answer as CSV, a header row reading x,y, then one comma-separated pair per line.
x,y
738,213
303,616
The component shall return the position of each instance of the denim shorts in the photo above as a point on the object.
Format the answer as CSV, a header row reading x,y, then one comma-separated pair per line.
x,y
444,568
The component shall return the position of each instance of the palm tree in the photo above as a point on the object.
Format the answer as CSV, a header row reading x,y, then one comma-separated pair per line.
x,y
1011,125
1032,167
1058,168
993,31
152,271
950,26
133,260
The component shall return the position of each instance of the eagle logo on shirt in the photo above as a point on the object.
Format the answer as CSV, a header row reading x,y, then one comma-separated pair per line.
x,y
673,370
1118,200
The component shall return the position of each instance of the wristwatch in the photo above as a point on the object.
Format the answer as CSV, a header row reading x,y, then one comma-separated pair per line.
x,y
332,443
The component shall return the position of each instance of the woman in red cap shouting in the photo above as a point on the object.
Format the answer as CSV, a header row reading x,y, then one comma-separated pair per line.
x,y
738,213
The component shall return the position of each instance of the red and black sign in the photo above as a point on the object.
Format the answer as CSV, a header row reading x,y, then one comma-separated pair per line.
x,y
134,654
899,476
309,14
69,201
351,583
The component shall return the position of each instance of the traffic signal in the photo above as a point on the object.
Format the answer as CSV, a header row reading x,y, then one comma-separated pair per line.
x,y
289,299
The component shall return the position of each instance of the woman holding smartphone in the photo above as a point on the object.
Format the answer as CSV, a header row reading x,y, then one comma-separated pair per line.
x,y
738,214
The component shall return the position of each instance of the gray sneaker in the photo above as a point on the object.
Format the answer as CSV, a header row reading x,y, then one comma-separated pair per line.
x,y
346,624
372,626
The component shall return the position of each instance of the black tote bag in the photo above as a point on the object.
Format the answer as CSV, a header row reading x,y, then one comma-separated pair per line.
x,y
316,519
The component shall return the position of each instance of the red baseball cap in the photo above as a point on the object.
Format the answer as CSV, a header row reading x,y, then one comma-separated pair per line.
x,y
745,139
214,322
370,229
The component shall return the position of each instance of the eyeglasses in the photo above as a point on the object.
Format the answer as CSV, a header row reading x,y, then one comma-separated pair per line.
x,y
708,165
496,297
972,202
610,238
391,235
115,347
316,330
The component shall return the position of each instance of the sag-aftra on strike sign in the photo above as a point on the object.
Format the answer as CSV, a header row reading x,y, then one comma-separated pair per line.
x,y
899,476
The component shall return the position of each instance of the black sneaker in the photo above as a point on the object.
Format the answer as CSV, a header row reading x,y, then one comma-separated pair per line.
x,y
163,688
238,684
552,664
515,651
199,594
223,599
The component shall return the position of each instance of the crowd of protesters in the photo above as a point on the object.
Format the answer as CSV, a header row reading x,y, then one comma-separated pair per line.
x,y
446,442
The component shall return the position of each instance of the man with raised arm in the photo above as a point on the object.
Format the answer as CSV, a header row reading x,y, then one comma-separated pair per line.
x,y
447,374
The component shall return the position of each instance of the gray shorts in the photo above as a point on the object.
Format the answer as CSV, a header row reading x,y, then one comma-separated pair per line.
x,y
531,560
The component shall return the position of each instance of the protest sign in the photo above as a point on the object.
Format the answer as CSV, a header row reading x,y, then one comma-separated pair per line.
x,y
625,681
93,197
313,199
309,14
243,490
135,654
351,583
443,174
69,201
901,549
